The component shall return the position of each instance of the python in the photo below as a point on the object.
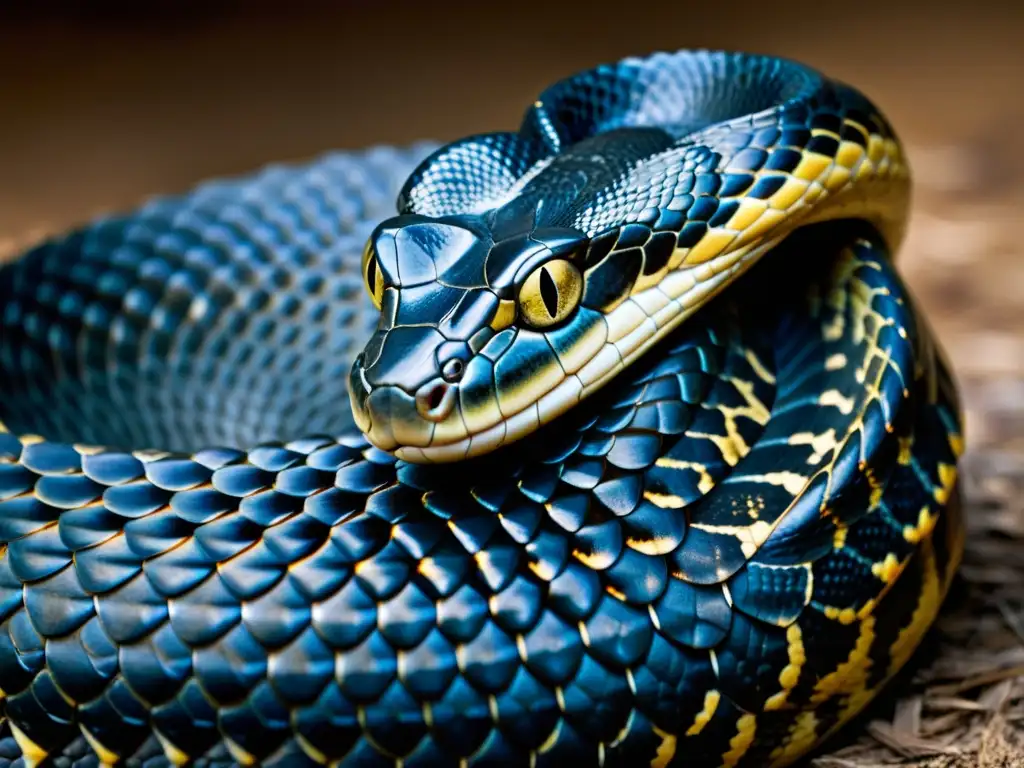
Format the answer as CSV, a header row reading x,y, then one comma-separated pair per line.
x,y
617,439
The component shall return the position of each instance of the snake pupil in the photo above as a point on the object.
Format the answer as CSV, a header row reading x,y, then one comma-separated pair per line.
x,y
549,292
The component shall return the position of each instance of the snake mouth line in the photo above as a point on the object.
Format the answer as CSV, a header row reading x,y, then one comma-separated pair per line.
x,y
681,294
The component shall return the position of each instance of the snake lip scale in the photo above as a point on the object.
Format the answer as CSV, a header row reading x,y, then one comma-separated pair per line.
x,y
614,439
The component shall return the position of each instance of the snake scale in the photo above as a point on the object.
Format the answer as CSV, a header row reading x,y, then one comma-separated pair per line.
x,y
619,441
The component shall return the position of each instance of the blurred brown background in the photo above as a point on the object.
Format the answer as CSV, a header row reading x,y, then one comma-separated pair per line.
x,y
104,103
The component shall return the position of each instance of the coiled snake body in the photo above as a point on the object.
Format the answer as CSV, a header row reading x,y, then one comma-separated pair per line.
x,y
655,459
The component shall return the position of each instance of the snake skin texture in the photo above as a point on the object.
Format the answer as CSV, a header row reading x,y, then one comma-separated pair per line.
x,y
717,558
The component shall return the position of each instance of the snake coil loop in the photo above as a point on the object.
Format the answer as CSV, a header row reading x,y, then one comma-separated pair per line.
x,y
623,444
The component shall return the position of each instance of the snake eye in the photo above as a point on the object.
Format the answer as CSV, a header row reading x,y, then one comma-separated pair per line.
x,y
550,293
372,277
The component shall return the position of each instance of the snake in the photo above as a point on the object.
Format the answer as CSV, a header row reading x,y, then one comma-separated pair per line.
x,y
615,439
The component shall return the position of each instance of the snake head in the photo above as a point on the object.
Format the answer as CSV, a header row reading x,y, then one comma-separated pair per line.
x,y
474,338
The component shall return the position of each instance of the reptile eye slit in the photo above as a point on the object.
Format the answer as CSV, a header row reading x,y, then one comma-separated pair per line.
x,y
548,292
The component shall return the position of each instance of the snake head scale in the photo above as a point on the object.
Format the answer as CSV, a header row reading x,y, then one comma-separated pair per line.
x,y
474,337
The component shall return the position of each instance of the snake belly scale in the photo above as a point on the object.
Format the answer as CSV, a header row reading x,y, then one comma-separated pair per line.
x,y
620,441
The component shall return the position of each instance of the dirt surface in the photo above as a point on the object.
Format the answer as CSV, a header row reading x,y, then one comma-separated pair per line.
x,y
104,108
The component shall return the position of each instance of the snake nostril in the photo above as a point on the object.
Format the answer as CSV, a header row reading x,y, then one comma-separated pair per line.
x,y
436,397
435,400
452,370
